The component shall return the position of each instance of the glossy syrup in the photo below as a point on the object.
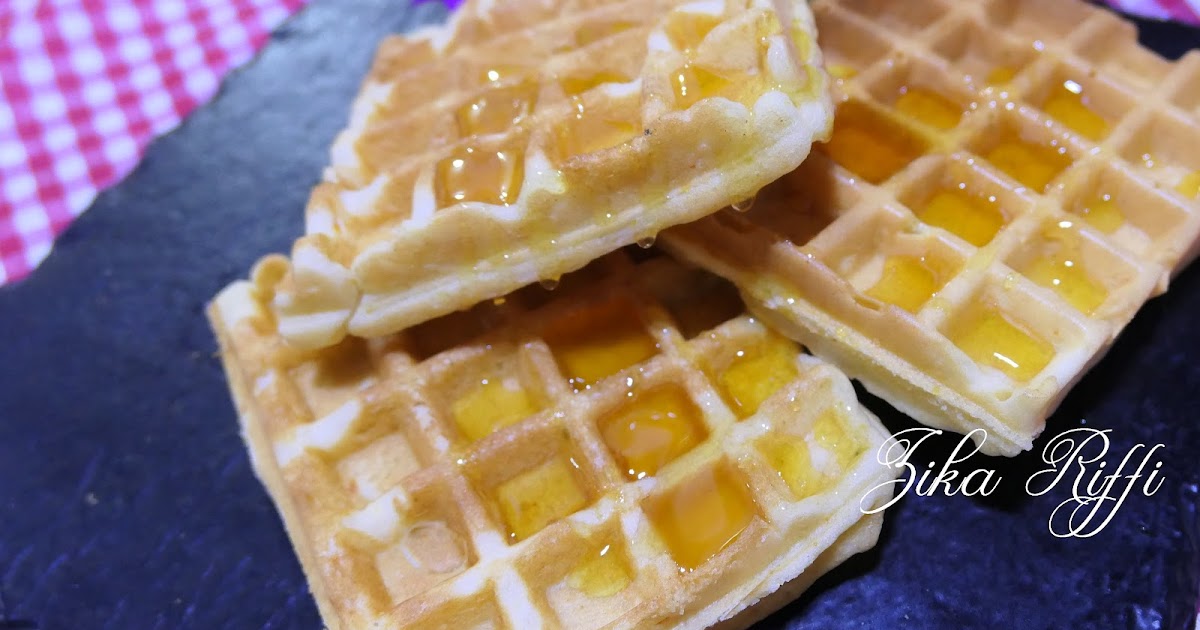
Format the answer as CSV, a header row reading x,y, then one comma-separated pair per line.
x,y
992,339
703,515
654,429
972,217
491,405
539,496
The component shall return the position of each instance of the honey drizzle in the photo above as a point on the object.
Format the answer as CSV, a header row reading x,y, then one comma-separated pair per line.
x,y
756,373
586,132
869,145
1189,186
539,496
834,434
686,29
1069,105
657,427
591,345
692,84
1001,76
929,107
1061,268
990,338
491,405
703,515
473,174
574,86
497,110
789,456
1103,213
908,282
971,217
1033,165
604,574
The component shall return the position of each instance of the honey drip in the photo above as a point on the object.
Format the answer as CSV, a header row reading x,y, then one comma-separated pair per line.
x,y
755,374
539,496
497,110
686,29
908,282
841,71
833,433
591,345
1001,76
701,516
578,85
744,205
492,405
1061,269
869,145
992,339
929,107
657,427
1189,186
603,574
971,217
789,456
586,132
692,84
1034,166
1103,213
1069,105
472,174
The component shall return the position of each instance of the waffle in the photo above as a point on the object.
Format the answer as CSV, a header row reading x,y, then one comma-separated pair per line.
x,y
1007,183
524,139
629,451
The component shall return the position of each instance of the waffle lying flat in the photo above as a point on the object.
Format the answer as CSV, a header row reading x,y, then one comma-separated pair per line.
x,y
629,451
525,139
1006,185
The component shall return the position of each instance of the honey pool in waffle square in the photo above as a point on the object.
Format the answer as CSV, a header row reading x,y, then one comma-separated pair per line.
x,y
1007,182
522,140
629,450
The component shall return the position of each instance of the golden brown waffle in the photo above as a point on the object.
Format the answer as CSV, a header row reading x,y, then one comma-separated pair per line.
x,y
1007,183
524,139
629,451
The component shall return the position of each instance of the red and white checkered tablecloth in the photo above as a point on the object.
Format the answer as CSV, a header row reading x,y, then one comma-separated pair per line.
x,y
85,85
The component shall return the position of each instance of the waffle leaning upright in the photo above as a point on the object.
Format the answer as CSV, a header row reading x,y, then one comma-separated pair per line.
x,y
524,139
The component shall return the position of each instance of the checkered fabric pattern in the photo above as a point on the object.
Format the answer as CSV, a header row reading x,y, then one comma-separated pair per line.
x,y
1186,11
85,85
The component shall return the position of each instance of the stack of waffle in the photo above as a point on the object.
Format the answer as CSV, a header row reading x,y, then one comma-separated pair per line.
x,y
452,445
629,449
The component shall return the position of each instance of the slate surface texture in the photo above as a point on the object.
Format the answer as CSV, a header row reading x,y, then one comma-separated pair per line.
x,y
127,499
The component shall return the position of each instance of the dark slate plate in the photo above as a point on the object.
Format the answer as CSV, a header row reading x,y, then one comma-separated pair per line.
x,y
127,500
